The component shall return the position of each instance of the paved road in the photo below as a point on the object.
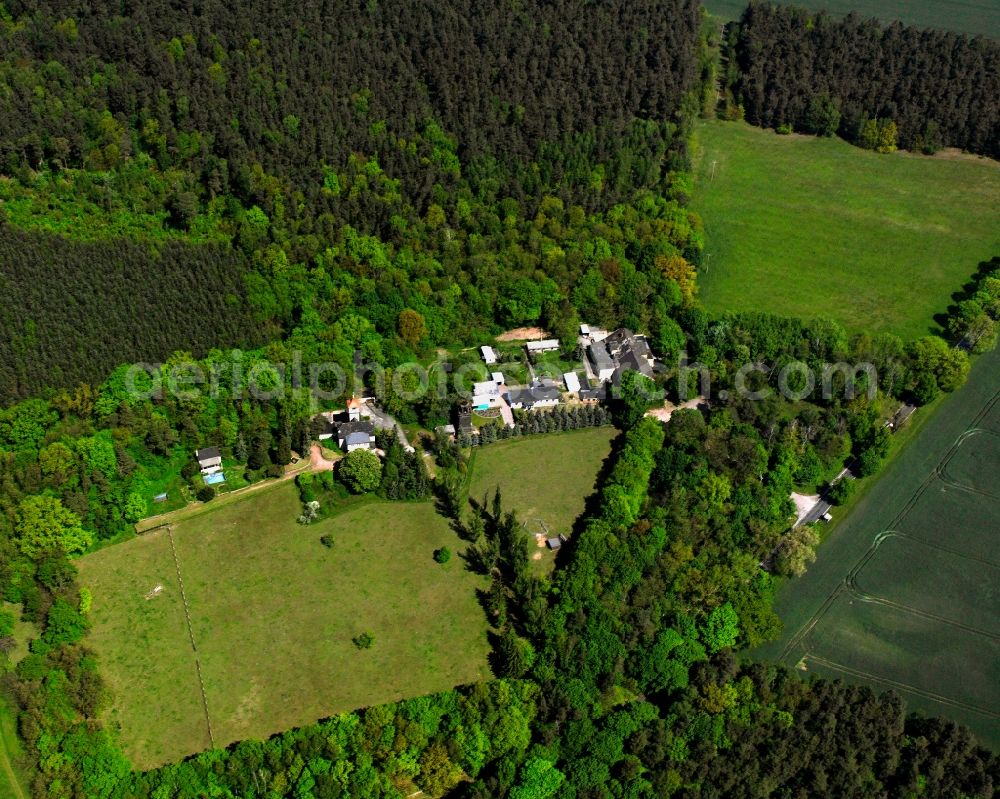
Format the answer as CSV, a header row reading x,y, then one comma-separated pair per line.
x,y
384,421
823,506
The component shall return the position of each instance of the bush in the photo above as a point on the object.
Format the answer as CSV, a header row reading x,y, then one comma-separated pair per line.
x,y
442,555
327,541
841,491
363,641
206,494
360,471
275,470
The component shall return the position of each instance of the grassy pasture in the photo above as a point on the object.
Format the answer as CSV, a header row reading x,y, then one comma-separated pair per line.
x,y
273,613
973,18
11,786
546,477
812,227
905,593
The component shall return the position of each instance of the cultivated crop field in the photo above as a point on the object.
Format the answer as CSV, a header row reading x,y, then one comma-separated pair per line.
x,y
906,591
973,18
272,614
809,227
546,477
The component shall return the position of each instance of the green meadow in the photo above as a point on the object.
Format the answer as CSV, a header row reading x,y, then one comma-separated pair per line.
x,y
810,227
273,613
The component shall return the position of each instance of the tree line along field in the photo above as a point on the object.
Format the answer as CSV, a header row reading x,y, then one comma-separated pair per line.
x,y
807,227
979,17
904,593
273,613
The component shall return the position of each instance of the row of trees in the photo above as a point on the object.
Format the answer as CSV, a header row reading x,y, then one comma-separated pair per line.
x,y
868,82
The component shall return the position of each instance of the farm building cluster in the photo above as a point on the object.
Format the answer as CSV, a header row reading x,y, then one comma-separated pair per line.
x,y
604,357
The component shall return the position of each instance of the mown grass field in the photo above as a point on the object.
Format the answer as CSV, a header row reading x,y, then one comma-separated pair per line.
x,y
547,477
11,781
973,17
905,593
812,227
273,613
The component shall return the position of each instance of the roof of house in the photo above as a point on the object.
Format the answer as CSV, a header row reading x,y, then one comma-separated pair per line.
x,y
354,402
533,394
488,354
207,454
619,338
631,360
544,344
358,437
345,429
554,543
600,357
497,377
572,381
592,391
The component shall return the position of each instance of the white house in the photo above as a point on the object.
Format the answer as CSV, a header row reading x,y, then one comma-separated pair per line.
x,y
545,345
485,395
572,382
209,460
489,356
498,378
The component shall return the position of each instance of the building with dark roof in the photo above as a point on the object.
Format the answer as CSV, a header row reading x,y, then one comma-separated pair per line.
x,y
209,460
601,361
620,352
355,434
537,395
592,391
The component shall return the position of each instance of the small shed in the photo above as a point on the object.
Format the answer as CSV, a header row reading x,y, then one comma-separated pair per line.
x,y
489,356
572,381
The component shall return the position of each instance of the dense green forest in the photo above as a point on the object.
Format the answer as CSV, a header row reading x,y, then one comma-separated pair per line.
x,y
464,167
63,332
388,178
873,84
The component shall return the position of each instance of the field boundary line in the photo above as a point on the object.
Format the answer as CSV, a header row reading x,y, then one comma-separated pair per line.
x,y
190,629
933,545
862,596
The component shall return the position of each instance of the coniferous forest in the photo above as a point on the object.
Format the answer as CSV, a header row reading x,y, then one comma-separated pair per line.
x,y
183,179
818,74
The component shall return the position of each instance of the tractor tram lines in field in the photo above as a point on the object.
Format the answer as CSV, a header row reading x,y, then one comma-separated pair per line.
x,y
918,610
